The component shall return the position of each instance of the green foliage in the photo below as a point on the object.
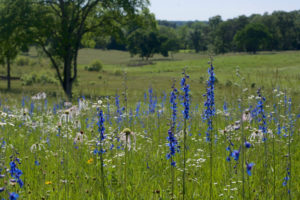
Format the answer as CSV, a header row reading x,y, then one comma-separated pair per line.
x,y
14,31
118,73
228,83
144,43
216,34
41,77
252,38
95,66
23,61
170,41
198,37
61,27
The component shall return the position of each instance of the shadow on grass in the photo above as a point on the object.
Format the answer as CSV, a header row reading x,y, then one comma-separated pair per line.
x,y
12,91
26,92
138,63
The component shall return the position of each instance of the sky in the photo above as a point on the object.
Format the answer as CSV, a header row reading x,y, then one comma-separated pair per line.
x,y
202,10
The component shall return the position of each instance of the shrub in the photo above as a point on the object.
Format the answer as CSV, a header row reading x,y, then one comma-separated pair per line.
x,y
22,61
92,83
33,63
118,72
228,83
95,66
201,80
216,80
40,78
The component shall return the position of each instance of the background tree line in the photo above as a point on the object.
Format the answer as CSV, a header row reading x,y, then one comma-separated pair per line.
x,y
60,28
277,31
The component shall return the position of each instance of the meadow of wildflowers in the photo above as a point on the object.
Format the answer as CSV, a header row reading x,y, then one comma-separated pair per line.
x,y
166,145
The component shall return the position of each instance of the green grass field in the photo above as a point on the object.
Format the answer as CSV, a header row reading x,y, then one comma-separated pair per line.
x,y
61,155
266,69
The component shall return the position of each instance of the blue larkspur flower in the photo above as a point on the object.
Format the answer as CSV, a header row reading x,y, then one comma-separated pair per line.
x,y
185,88
210,102
111,146
172,141
235,154
173,163
137,110
13,196
100,124
15,172
249,168
119,111
262,119
287,177
285,180
20,182
152,104
247,145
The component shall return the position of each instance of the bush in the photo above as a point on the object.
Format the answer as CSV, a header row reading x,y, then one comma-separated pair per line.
x,y
92,83
40,78
95,66
201,80
228,83
22,61
118,72
33,63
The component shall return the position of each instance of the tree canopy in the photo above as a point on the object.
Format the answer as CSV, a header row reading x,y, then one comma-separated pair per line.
x,y
14,31
253,38
60,26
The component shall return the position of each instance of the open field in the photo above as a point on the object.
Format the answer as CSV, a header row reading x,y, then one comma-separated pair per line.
x,y
264,70
247,148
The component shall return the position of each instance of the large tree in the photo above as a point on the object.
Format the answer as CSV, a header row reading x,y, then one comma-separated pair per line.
x,y
143,38
252,38
144,43
61,25
198,36
14,32
170,40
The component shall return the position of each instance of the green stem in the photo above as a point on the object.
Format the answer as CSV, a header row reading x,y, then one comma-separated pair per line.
x,y
243,153
125,170
211,167
102,171
184,159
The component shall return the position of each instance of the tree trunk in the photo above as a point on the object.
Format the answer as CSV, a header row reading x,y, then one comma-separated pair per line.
x,y
68,86
68,89
67,83
8,72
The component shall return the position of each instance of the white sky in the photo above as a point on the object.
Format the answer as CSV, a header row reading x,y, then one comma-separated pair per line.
x,y
202,10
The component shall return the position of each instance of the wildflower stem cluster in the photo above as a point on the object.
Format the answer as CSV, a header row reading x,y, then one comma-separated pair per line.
x,y
209,113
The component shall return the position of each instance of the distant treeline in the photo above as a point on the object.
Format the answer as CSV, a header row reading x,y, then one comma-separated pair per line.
x,y
277,31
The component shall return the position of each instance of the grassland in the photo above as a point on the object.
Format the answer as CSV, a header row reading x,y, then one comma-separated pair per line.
x,y
266,69
61,155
